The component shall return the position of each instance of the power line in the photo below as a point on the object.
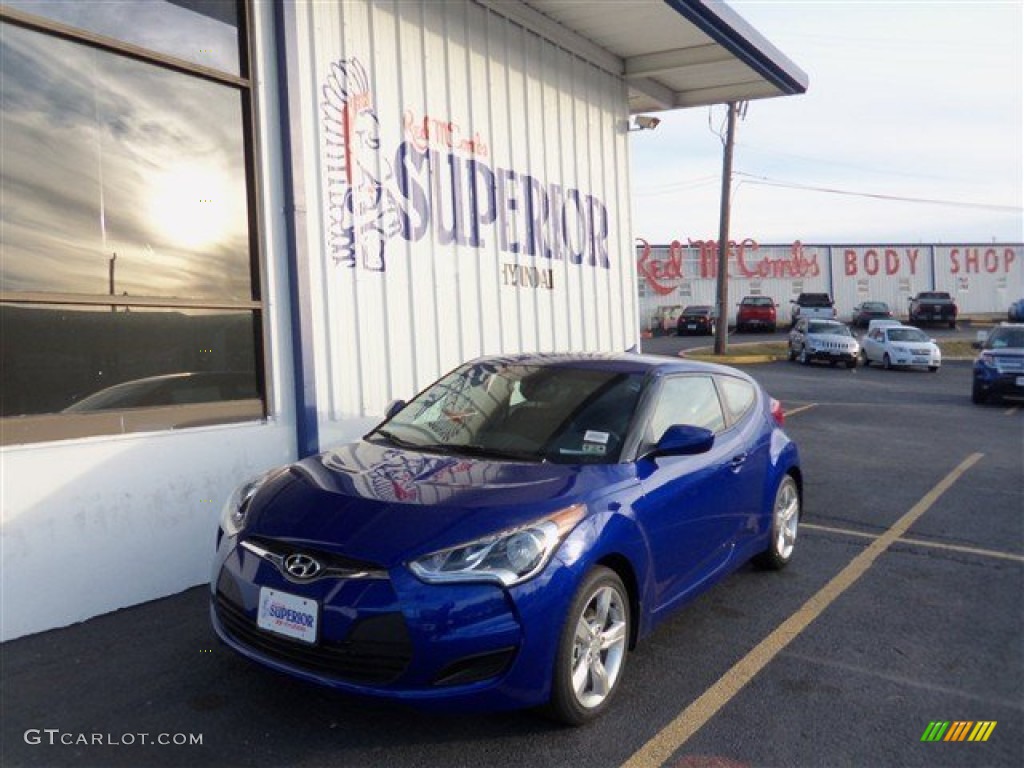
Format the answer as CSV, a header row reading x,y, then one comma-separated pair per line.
x,y
767,182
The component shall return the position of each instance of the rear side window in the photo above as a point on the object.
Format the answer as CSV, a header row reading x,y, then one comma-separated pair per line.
x,y
738,397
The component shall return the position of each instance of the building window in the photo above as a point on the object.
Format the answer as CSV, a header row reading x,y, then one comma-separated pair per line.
x,y
129,282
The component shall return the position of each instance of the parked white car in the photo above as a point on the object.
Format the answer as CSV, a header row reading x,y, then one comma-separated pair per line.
x,y
900,345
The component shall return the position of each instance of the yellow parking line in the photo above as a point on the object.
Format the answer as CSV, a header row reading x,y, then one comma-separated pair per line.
x,y
667,741
921,543
801,409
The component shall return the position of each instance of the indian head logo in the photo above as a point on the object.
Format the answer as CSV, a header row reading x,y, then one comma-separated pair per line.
x,y
439,182
362,212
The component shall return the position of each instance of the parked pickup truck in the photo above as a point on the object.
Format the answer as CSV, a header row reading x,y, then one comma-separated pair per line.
x,y
933,307
813,305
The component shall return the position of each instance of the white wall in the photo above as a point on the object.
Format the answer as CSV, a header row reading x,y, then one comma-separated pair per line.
x,y
407,302
88,526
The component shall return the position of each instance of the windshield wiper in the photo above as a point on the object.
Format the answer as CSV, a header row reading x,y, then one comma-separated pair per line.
x,y
472,449
394,439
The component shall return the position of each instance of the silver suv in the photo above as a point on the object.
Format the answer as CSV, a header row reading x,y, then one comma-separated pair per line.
x,y
828,340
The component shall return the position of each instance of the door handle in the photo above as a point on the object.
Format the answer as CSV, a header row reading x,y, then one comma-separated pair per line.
x,y
737,461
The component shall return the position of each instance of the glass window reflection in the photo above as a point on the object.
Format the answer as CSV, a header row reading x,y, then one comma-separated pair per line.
x,y
203,32
110,162
80,359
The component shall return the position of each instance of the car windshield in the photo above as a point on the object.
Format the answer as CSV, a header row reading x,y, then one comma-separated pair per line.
x,y
907,334
815,300
875,306
832,329
1005,338
543,412
691,311
757,301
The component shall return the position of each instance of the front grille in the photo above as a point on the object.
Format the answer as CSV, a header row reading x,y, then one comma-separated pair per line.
x,y
377,649
1009,365
329,560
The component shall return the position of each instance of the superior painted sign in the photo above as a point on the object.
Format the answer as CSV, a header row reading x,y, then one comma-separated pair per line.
x,y
439,183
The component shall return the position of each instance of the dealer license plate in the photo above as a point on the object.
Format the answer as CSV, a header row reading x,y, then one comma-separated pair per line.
x,y
691,326
289,615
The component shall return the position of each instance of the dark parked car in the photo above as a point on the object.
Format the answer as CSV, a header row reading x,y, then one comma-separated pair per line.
x,y
999,369
867,311
696,320
756,312
933,307
507,536
1015,314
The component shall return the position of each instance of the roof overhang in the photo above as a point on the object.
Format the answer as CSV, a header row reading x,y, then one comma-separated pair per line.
x,y
671,53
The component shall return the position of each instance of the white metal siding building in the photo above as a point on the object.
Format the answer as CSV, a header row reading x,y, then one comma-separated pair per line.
x,y
412,184
983,278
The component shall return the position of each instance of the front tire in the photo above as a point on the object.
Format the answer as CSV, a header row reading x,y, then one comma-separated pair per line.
x,y
886,362
785,526
803,358
591,654
978,396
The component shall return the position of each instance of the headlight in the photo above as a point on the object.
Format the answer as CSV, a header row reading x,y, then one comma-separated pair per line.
x,y
236,509
900,350
507,558
987,359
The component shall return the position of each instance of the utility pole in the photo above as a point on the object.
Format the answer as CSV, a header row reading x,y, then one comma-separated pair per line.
x,y
113,307
722,323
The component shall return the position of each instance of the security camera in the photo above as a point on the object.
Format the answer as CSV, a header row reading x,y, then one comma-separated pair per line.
x,y
646,122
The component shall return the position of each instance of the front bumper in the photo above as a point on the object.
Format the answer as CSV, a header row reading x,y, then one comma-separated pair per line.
x,y
908,359
833,355
992,383
455,646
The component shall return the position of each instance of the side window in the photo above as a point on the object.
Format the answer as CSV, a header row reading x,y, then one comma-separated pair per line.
x,y
690,400
738,396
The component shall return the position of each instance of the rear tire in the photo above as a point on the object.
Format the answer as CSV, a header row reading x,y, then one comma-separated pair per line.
x,y
785,525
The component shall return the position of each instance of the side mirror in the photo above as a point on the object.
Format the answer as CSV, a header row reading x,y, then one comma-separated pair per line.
x,y
393,408
683,440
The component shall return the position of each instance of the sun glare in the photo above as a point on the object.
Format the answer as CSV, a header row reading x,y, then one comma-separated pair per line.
x,y
190,206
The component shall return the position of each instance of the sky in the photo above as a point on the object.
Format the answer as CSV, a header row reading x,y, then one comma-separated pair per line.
x,y
914,100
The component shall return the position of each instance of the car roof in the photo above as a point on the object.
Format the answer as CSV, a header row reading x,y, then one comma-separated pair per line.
x,y
623,362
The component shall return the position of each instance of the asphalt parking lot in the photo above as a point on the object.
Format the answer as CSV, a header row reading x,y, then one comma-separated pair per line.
x,y
904,606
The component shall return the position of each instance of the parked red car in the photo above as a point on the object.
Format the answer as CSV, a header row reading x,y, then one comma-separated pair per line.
x,y
756,312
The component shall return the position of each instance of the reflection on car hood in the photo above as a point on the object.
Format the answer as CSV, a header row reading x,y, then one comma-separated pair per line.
x,y
386,504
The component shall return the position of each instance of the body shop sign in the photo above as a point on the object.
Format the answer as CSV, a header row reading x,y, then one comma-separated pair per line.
x,y
440,181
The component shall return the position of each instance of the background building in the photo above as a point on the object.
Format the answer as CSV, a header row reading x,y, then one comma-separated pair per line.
x,y
981,278
233,231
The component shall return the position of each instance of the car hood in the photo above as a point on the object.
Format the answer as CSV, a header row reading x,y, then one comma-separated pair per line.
x,y
385,505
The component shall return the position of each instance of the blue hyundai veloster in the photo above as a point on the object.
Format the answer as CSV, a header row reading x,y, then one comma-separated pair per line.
x,y
507,536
